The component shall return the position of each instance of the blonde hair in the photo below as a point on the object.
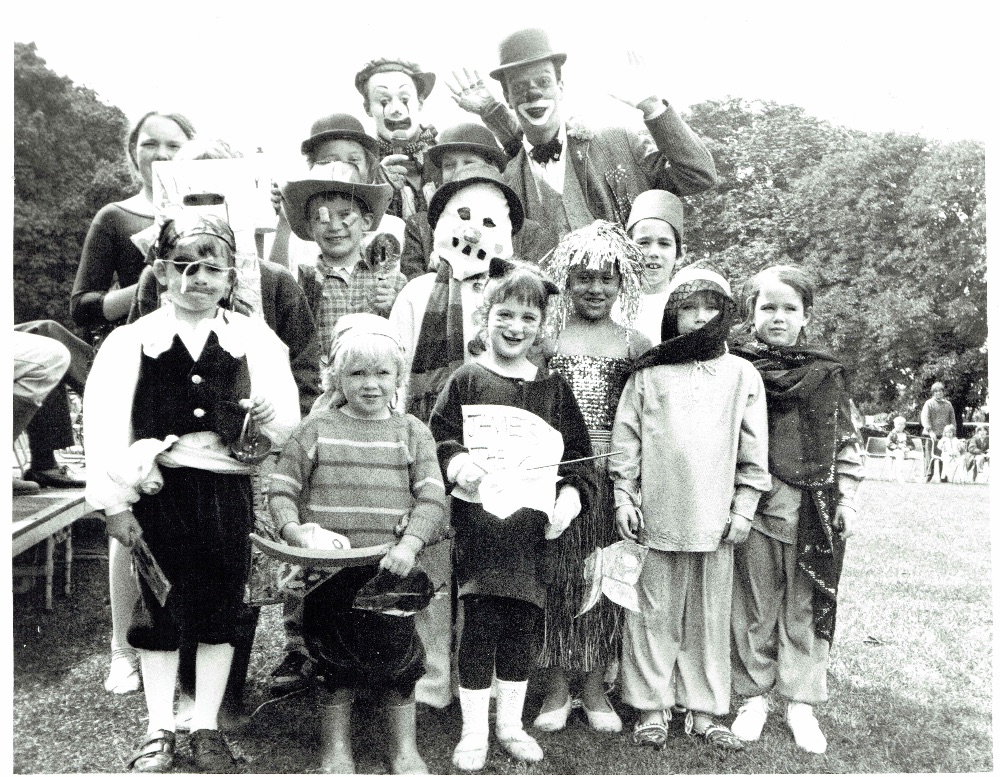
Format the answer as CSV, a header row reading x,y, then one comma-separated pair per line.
x,y
370,347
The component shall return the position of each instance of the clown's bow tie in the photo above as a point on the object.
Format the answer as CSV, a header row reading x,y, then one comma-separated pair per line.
x,y
544,153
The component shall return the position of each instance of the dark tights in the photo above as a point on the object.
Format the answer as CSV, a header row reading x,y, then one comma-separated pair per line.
x,y
498,631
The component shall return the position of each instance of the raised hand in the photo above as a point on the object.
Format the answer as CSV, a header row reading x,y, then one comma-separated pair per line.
x,y
637,89
470,92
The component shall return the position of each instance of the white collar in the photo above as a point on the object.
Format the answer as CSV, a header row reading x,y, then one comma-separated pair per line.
x,y
158,328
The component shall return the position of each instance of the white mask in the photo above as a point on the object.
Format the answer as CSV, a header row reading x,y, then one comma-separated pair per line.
x,y
473,228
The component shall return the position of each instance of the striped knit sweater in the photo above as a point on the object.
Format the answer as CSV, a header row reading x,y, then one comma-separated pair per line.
x,y
359,477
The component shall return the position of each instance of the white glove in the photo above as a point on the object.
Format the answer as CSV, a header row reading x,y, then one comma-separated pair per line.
x,y
464,472
566,508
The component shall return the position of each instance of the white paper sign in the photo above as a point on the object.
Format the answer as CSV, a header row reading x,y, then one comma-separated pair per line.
x,y
246,189
508,443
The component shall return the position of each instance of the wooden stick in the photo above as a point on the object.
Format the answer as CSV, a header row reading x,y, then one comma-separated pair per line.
x,y
574,461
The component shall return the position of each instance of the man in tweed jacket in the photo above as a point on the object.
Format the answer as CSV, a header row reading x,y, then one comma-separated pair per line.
x,y
566,174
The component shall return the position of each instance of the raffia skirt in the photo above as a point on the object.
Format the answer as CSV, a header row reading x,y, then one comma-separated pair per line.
x,y
593,639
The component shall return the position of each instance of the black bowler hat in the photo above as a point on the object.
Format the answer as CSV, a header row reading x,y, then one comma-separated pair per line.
x,y
338,125
524,47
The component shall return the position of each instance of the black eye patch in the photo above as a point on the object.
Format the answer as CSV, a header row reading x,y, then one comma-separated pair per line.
x,y
465,214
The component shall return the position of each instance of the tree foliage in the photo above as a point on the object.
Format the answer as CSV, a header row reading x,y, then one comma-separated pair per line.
x,y
68,163
890,227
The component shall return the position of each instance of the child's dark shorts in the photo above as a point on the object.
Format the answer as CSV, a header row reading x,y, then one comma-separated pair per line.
x,y
357,648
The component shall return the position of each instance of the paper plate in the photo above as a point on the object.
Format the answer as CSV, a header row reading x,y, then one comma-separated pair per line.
x,y
313,557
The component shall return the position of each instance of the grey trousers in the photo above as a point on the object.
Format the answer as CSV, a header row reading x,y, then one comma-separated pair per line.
x,y
675,650
774,644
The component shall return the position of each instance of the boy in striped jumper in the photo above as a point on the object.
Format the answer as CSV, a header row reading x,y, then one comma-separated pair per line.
x,y
357,468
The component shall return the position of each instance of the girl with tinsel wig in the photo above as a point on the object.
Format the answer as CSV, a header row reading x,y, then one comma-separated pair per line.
x,y
786,573
595,267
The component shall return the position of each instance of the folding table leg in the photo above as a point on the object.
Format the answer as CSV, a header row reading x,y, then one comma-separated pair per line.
x,y
50,544
69,560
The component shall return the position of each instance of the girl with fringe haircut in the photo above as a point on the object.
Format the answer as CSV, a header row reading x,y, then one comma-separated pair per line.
x,y
502,548
787,572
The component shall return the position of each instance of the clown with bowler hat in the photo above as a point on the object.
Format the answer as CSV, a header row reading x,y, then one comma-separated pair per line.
x,y
566,173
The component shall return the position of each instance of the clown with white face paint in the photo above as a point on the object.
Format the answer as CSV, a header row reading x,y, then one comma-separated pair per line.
x,y
474,217
567,174
394,91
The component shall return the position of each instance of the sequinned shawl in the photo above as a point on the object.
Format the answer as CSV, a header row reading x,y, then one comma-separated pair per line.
x,y
808,408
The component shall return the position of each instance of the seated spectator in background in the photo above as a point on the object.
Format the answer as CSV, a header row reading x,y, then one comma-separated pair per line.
x,y
935,415
950,450
39,364
459,147
44,413
977,452
899,447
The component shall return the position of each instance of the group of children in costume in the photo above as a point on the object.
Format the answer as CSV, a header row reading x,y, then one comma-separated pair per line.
x,y
545,408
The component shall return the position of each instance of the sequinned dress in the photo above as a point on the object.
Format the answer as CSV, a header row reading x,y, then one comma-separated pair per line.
x,y
592,640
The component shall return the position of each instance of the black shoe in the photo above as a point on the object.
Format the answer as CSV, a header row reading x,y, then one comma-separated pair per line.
x,y
211,753
293,674
25,487
57,477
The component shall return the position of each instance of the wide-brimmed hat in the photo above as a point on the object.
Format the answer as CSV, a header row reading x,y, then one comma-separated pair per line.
x,y
341,178
468,136
658,204
423,81
338,125
468,176
524,47
391,594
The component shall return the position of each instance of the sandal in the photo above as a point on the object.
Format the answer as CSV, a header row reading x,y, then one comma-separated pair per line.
x,y
720,737
155,754
652,733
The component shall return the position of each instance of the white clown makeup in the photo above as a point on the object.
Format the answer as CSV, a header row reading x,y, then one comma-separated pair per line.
x,y
394,105
473,229
534,93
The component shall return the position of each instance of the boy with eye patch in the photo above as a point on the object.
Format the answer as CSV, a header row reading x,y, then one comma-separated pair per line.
x,y
335,213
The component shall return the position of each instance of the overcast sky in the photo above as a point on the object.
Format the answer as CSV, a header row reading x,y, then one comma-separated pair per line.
x,y
258,78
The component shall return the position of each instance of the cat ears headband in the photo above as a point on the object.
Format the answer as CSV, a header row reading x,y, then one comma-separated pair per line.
x,y
500,268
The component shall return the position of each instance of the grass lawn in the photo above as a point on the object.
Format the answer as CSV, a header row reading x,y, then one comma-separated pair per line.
x,y
910,675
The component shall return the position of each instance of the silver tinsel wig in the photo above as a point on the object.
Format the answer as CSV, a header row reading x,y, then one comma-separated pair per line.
x,y
595,247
